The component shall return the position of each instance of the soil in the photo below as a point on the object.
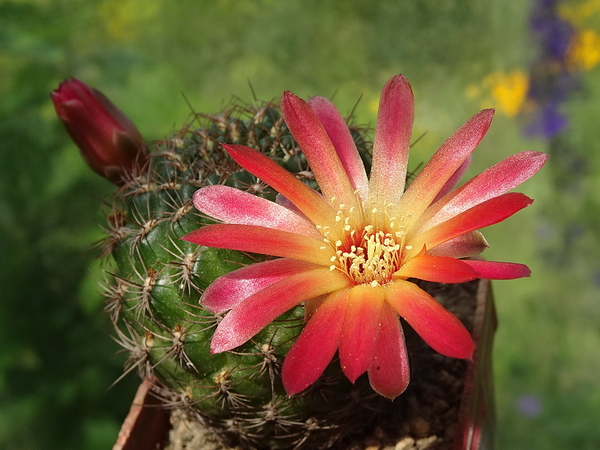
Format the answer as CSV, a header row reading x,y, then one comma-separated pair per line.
x,y
423,417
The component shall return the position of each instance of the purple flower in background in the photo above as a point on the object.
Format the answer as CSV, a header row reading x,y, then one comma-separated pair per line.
x,y
551,31
551,81
596,277
529,406
548,121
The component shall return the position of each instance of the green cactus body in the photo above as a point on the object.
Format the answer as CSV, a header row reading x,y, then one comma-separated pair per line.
x,y
157,280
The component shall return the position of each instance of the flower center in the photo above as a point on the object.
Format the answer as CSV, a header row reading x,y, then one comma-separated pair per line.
x,y
369,256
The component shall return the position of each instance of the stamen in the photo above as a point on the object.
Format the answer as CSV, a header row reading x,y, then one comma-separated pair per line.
x,y
367,243
371,258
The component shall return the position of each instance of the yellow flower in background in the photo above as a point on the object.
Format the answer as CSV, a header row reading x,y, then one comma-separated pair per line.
x,y
509,91
123,19
578,14
584,50
506,92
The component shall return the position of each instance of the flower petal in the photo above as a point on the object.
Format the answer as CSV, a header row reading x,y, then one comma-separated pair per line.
x,y
439,328
266,241
234,206
257,311
442,165
234,287
439,269
483,215
318,149
392,141
311,305
454,179
306,199
316,345
469,244
493,270
358,342
340,136
389,372
495,181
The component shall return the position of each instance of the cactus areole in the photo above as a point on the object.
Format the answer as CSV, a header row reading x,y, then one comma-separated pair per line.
x,y
268,263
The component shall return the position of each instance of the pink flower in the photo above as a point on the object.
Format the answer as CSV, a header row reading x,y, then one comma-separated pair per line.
x,y
109,142
348,253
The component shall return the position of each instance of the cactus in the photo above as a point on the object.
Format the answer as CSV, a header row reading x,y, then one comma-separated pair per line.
x,y
155,287
354,254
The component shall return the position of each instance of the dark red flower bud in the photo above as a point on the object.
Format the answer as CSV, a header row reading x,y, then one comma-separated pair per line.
x,y
110,143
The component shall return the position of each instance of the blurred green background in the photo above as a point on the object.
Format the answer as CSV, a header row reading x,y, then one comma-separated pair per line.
x,y
536,61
